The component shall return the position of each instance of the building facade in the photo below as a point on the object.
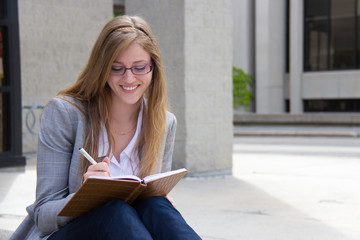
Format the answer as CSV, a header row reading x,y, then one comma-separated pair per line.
x,y
304,55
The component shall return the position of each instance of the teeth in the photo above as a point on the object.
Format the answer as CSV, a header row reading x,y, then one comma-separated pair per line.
x,y
129,88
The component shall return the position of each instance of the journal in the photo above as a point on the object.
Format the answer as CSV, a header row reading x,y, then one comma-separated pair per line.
x,y
96,191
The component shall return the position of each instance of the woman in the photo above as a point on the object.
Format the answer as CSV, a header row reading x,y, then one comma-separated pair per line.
x,y
117,109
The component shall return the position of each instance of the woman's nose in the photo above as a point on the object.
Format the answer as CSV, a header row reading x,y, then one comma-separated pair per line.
x,y
128,76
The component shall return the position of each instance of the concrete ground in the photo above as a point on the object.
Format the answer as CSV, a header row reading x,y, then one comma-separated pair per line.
x,y
282,188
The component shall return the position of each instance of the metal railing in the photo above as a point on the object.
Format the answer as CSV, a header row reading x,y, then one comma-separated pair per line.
x,y
31,118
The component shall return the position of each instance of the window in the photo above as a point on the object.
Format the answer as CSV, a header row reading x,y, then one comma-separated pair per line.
x,y
332,105
3,100
10,89
2,8
331,35
119,8
1,57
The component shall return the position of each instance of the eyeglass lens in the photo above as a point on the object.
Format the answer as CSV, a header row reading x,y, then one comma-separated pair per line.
x,y
136,70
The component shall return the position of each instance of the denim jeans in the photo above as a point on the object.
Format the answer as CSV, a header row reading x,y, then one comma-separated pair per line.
x,y
152,218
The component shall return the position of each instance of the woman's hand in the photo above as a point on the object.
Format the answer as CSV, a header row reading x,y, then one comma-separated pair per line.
x,y
99,169
171,200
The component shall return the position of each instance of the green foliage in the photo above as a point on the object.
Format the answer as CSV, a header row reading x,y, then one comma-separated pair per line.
x,y
242,83
118,15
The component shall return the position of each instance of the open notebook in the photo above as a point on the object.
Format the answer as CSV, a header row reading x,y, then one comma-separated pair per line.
x,y
96,191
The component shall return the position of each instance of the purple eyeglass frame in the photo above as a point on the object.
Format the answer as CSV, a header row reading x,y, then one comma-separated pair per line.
x,y
151,64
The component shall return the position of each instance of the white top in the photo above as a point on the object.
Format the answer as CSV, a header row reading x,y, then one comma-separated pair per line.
x,y
129,159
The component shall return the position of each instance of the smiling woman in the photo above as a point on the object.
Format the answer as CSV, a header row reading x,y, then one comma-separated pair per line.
x,y
117,108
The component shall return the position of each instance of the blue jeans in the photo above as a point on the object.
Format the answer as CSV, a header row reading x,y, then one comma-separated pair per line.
x,y
152,218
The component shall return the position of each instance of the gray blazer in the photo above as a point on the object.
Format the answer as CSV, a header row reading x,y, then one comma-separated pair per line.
x,y
59,174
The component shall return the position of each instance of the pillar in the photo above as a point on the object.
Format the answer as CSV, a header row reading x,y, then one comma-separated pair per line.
x,y
195,39
296,55
270,44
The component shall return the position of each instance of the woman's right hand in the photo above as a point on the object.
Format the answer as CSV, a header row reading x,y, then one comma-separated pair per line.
x,y
99,169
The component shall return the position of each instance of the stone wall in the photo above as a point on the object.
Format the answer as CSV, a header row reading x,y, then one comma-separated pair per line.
x,y
56,38
195,39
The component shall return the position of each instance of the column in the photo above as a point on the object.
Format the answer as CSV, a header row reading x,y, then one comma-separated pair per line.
x,y
296,55
195,39
270,19
243,35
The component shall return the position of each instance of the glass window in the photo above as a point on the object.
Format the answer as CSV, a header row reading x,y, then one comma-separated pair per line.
x,y
10,96
316,34
332,105
358,35
342,35
4,112
119,8
331,35
3,100
2,8
1,57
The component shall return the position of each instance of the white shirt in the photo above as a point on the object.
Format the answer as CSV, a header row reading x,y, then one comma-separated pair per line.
x,y
129,159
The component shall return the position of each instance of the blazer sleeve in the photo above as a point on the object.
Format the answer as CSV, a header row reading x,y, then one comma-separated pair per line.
x,y
169,143
56,143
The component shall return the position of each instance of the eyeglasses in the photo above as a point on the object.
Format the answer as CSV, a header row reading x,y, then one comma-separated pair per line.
x,y
136,70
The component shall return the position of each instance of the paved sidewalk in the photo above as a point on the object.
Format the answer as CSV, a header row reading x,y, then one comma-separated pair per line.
x,y
277,192
17,190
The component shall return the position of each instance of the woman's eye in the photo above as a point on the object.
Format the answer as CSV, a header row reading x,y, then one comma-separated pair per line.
x,y
117,69
140,68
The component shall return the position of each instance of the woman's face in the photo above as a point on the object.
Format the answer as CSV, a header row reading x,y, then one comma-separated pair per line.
x,y
128,87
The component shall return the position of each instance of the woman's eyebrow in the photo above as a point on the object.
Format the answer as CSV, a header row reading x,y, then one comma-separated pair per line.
x,y
139,61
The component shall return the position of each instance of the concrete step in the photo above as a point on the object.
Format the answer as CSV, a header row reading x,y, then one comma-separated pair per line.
x,y
341,119
297,131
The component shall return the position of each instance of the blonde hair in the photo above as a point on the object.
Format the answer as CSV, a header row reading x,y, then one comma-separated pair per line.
x,y
92,89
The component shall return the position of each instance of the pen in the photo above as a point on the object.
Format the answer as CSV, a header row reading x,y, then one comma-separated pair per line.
x,y
87,156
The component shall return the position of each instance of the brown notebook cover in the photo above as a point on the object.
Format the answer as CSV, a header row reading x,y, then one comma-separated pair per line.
x,y
96,191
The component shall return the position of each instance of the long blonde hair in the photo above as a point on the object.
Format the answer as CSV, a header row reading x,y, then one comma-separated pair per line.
x,y
92,90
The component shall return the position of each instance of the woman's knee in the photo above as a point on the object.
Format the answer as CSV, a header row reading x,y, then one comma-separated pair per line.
x,y
117,213
162,220
115,204
154,202
116,208
154,206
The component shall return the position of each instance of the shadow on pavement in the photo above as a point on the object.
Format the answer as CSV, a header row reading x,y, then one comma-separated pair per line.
x,y
229,208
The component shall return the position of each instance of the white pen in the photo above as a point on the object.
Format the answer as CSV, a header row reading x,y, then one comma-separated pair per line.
x,y
88,157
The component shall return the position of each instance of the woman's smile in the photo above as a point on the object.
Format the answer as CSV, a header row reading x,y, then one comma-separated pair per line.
x,y
129,88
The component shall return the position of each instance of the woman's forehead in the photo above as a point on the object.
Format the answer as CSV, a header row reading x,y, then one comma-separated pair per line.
x,y
135,53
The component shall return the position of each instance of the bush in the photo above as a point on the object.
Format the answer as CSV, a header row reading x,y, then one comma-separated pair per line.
x,y
242,84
